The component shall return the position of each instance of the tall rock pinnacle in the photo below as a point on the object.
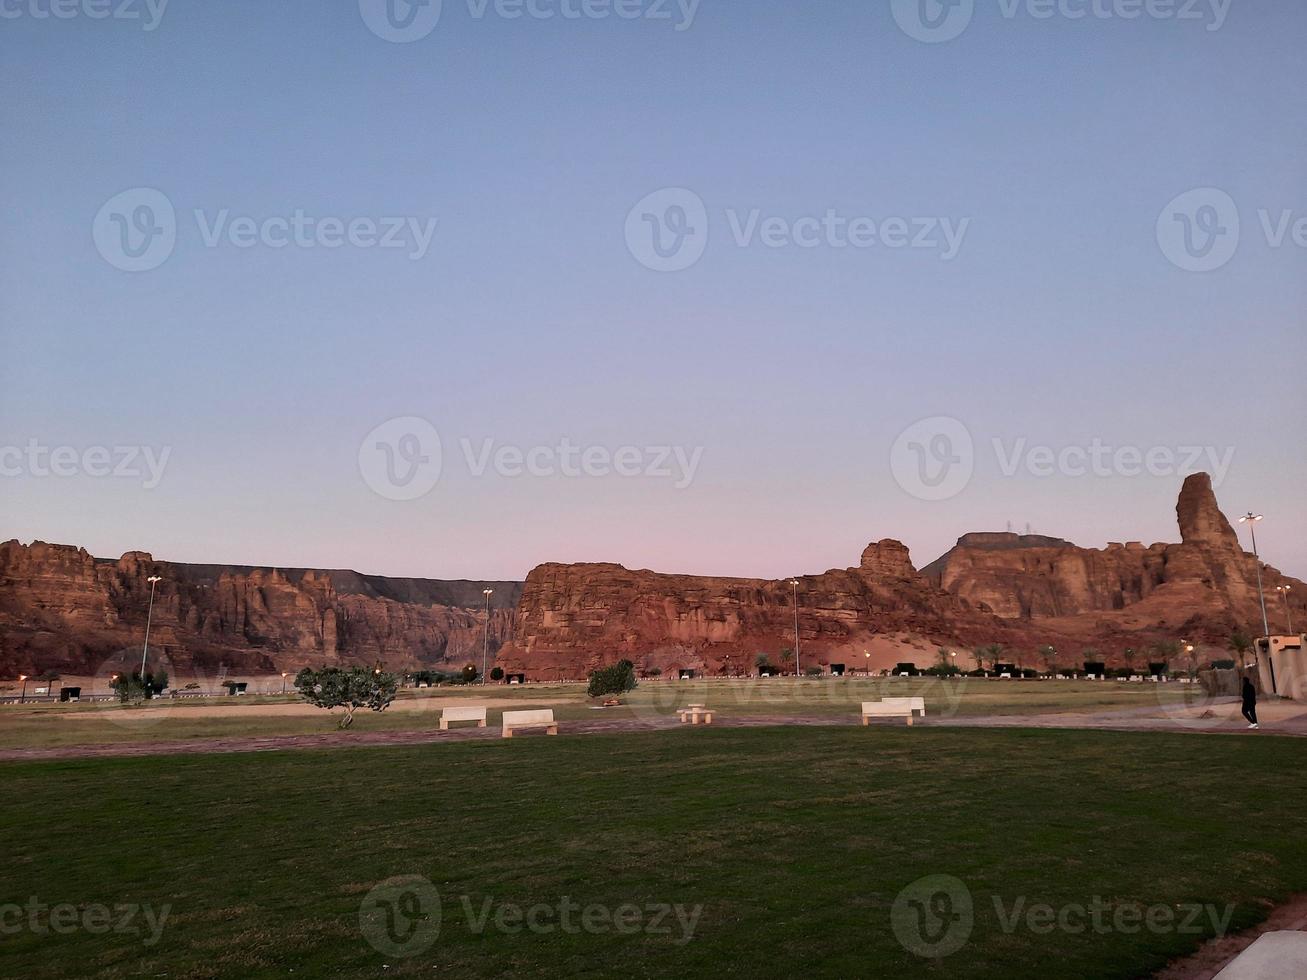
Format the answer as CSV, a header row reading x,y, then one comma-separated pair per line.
x,y
1201,520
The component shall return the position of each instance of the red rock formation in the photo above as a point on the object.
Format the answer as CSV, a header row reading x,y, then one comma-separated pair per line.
x,y
61,609
1202,588
572,618
1020,590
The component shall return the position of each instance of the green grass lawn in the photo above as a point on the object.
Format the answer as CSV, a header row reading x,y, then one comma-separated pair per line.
x,y
93,724
793,842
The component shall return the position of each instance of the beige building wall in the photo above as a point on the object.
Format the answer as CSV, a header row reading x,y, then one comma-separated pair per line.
x,y
1286,658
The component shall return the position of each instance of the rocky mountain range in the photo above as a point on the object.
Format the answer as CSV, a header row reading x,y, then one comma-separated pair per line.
x,y
62,609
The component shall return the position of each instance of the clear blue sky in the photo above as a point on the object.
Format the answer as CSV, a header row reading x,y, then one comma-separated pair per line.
x,y
1059,321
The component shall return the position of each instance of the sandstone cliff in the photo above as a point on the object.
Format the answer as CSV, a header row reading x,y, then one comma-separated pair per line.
x,y
574,617
1202,588
1020,590
61,609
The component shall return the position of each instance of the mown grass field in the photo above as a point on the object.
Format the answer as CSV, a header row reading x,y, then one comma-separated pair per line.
x,y
793,842
99,723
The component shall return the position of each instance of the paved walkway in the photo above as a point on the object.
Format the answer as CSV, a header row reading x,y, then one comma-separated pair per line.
x,y
1216,955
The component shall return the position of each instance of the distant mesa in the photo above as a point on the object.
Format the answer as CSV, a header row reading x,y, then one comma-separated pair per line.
x,y
64,610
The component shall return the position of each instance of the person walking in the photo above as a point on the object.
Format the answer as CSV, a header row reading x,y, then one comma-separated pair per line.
x,y
1250,702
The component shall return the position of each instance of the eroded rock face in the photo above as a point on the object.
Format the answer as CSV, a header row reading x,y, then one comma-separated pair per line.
x,y
1023,591
572,618
1200,518
1025,576
888,558
1203,587
61,609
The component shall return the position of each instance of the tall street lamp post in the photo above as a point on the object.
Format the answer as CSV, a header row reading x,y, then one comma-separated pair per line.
x,y
485,637
1251,520
794,582
154,580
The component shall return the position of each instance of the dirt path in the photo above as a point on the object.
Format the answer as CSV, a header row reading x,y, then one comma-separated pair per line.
x,y
166,708
1129,720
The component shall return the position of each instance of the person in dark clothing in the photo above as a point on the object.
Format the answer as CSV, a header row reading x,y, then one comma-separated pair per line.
x,y
1250,702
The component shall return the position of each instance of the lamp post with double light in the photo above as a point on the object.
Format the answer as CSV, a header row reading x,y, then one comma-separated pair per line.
x,y
794,583
1251,520
154,580
485,637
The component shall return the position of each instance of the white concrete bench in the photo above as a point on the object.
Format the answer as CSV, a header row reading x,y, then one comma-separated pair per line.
x,y
539,718
893,708
475,713
694,714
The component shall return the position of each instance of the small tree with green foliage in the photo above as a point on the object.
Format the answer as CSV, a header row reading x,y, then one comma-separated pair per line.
x,y
357,687
470,673
496,673
617,678
1048,654
132,688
